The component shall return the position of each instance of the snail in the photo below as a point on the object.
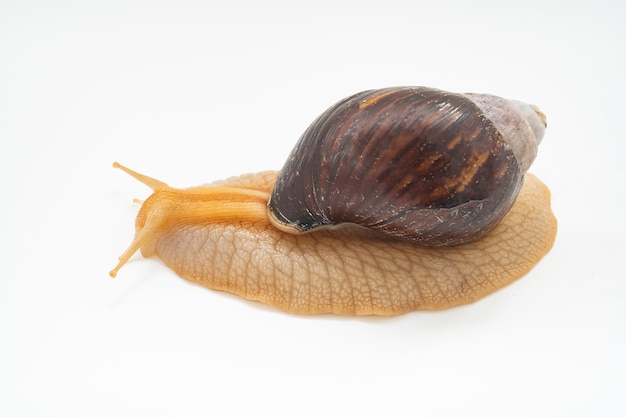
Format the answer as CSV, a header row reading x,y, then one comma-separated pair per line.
x,y
393,200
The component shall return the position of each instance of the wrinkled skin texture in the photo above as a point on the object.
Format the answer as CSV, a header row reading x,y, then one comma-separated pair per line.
x,y
350,271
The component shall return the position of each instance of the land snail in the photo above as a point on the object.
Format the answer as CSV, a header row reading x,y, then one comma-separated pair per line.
x,y
393,200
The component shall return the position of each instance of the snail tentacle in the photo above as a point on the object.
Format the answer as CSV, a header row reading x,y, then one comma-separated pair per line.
x,y
192,205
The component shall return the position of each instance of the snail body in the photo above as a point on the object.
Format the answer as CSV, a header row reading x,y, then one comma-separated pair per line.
x,y
415,169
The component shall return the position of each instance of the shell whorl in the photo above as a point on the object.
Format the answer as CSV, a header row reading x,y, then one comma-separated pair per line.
x,y
415,163
521,125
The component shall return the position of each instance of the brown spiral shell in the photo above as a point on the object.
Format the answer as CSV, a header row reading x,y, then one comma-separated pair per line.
x,y
415,163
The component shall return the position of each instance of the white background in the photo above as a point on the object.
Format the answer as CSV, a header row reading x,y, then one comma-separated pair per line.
x,y
193,91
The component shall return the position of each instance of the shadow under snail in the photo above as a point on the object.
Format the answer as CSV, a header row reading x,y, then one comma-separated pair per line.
x,y
393,200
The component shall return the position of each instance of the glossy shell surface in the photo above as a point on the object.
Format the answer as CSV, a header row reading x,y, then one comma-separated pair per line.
x,y
413,163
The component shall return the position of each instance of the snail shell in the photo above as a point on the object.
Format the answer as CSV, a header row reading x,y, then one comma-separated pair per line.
x,y
415,163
